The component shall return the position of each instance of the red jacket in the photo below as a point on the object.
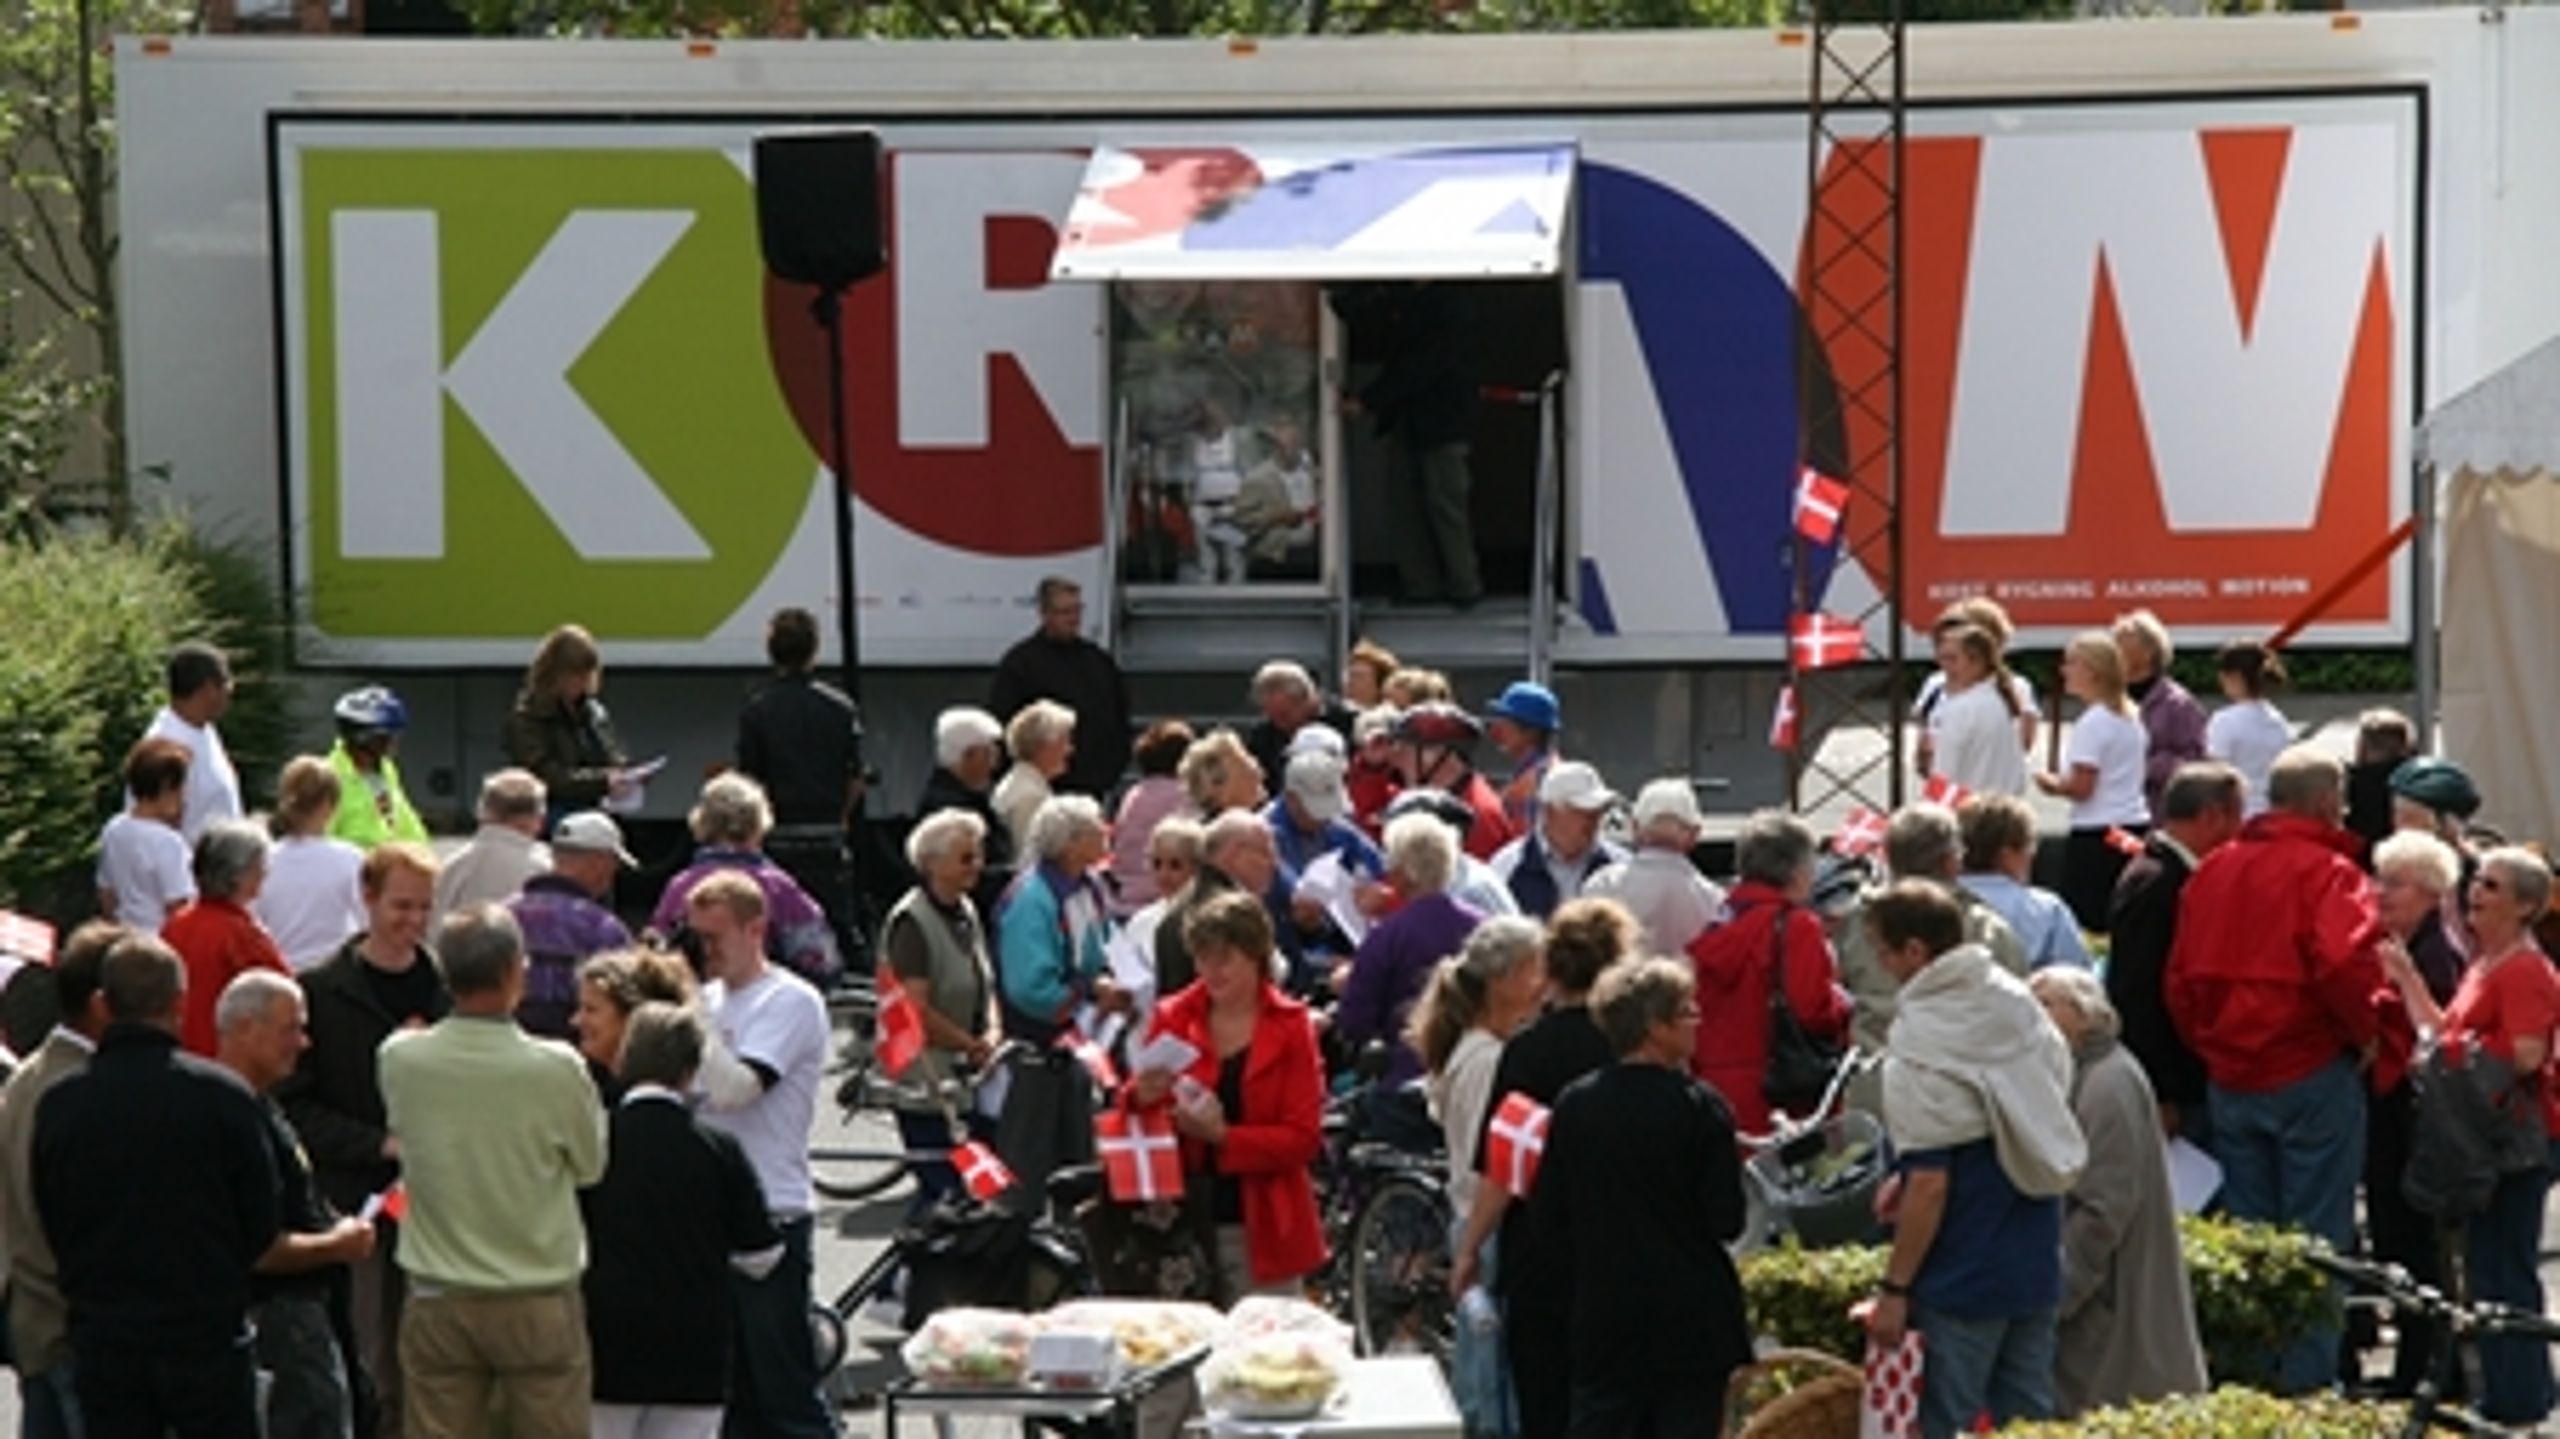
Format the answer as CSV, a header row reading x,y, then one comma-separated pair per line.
x,y
1491,829
218,940
2274,969
1271,1150
1734,960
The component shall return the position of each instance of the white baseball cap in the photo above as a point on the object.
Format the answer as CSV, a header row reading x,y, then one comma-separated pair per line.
x,y
1668,799
1317,737
591,832
1575,785
1316,779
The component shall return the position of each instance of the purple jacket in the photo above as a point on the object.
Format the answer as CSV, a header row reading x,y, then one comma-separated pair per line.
x,y
562,928
1391,969
796,933
2175,723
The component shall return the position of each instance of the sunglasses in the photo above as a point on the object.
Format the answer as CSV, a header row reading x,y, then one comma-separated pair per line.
x,y
1166,861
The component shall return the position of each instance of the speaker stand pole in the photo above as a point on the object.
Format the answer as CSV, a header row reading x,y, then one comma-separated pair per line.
x,y
828,310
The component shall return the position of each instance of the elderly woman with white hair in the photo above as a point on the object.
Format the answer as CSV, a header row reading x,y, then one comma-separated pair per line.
x,y
1219,774
729,823
1041,737
1397,959
1049,962
936,948
2128,1321
215,933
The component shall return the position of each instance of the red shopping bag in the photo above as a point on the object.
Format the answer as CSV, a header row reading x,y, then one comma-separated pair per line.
x,y
1890,1408
1141,1160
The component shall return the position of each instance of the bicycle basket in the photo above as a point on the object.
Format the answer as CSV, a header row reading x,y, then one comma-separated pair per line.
x,y
1822,1186
957,1254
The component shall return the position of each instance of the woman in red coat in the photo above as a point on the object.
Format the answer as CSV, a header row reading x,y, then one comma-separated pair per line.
x,y
1737,959
1250,1107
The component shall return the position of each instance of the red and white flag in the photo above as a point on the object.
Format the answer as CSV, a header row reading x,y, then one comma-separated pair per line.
x,y
1820,500
25,937
1889,1408
985,1175
1942,790
391,1204
1516,1141
1861,833
900,1028
1141,1160
1095,1059
2123,841
1819,641
1783,724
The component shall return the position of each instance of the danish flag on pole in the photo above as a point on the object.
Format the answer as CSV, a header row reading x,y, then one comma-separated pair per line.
x,y
1820,641
1095,1059
980,1169
1819,501
1516,1141
901,1029
2123,841
1942,790
1141,1160
25,938
1861,833
1782,725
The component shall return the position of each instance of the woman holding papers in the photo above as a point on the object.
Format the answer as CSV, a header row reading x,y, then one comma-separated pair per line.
x,y
1233,1062
558,729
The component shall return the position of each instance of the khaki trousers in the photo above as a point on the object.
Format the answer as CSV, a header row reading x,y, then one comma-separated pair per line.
x,y
515,1361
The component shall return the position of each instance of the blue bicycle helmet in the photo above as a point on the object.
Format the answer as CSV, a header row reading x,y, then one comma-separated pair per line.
x,y
373,709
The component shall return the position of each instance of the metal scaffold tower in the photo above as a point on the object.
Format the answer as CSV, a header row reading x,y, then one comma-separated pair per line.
x,y
1846,633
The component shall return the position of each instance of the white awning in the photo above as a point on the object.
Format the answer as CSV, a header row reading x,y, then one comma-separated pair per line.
x,y
1290,212
2509,421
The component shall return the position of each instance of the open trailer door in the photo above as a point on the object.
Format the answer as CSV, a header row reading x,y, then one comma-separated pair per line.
x,y
1226,465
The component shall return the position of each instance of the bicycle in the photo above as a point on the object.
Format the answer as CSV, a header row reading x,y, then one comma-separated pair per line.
x,y
1814,1180
2454,1323
1387,1218
861,1157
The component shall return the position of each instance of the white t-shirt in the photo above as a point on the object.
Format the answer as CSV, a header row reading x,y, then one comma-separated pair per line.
x,y
1974,742
313,900
2114,745
1924,705
779,1021
213,786
2248,736
144,864
1460,1095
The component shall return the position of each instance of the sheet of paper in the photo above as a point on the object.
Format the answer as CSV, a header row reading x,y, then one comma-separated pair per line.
x,y
1334,889
1169,1053
1131,952
2194,1176
631,787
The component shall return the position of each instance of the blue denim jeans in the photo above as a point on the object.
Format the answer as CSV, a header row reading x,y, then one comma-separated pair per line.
x,y
1969,1367
2293,1156
933,1178
774,1382
2502,1255
1480,1373
49,1404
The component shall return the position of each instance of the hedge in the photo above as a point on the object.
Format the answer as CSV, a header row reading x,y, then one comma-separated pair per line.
x,y
88,625
2255,1286
2227,1413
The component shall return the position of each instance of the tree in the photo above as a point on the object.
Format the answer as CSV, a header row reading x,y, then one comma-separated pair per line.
x,y
57,227
1085,19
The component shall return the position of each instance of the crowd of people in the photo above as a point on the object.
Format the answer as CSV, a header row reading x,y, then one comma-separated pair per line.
x,y
467,1146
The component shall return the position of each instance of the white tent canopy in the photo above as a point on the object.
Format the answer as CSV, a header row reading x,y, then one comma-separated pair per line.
x,y
2495,451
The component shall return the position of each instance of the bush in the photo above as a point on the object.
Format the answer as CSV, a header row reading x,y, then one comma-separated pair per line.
x,y
2227,1414
2254,1286
89,624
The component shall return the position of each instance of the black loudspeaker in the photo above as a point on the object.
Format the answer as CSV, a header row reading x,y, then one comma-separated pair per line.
x,y
818,206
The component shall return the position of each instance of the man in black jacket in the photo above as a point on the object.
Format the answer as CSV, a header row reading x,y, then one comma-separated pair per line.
x,y
382,981
158,1195
1423,402
2200,812
801,738
1056,662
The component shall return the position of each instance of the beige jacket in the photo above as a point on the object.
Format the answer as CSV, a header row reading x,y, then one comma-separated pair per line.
x,y
39,1320
2128,1316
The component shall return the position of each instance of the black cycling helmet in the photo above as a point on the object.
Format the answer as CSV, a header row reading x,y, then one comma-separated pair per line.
x,y
1437,803
1437,723
2439,784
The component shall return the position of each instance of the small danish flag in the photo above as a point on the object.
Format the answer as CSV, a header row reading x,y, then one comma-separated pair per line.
x,y
1861,833
25,937
1141,1160
1820,641
985,1175
1819,502
2123,841
391,1204
901,1029
1095,1059
1942,790
1783,724
1516,1141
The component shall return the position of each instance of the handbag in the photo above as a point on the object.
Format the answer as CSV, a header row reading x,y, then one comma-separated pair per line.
x,y
2475,1120
1161,1249
1800,1066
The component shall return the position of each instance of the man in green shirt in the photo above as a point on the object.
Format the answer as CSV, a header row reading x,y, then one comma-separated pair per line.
x,y
498,1131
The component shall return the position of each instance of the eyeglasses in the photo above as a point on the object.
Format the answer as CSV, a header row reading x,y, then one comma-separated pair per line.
x,y
1167,861
1688,1014
2491,883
